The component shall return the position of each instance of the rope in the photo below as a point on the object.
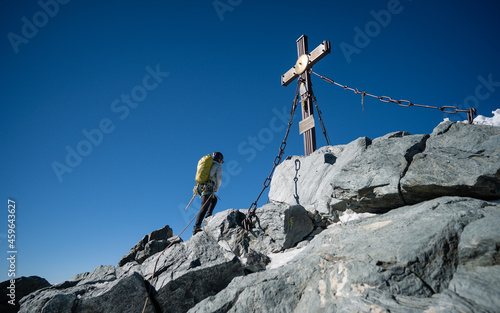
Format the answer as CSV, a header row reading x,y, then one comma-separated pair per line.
x,y
158,258
471,112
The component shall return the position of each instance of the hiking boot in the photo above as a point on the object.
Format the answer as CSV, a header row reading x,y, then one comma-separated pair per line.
x,y
196,230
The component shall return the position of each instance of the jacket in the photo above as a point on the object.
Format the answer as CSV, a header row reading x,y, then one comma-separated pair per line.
x,y
216,175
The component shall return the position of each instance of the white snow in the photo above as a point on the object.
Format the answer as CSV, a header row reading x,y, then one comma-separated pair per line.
x,y
280,259
353,217
483,120
492,121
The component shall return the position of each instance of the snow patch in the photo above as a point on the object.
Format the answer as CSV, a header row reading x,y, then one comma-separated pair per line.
x,y
353,217
281,259
482,120
492,121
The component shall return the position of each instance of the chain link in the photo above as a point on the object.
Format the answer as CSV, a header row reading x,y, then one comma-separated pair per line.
x,y
471,112
247,222
323,128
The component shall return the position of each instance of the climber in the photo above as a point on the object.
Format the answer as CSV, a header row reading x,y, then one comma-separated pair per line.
x,y
208,189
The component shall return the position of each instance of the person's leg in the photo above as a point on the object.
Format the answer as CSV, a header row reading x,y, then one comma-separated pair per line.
x,y
205,204
211,206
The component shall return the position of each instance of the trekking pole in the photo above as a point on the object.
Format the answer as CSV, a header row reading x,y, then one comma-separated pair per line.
x,y
194,195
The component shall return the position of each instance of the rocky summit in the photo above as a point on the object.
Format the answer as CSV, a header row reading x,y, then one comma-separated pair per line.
x,y
400,223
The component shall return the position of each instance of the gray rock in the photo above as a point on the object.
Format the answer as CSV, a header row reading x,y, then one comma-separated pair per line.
x,y
127,294
459,160
150,244
306,180
402,261
385,173
225,228
369,182
277,227
363,175
21,287
101,274
440,254
189,272
128,269
50,301
254,261
477,277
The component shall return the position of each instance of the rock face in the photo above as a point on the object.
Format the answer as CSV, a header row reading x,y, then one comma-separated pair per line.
x,y
400,223
189,272
411,259
459,160
150,244
363,175
394,170
20,287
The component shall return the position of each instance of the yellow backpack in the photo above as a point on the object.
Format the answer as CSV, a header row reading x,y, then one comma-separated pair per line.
x,y
203,169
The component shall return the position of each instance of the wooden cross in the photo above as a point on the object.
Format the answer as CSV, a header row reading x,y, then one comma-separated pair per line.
x,y
301,69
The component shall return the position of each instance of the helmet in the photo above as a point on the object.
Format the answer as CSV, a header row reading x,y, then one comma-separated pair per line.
x,y
218,156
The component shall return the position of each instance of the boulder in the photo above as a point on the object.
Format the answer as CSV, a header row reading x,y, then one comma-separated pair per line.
x,y
99,291
150,244
276,227
189,272
21,287
369,182
397,169
101,274
362,176
129,295
476,279
407,260
459,160
300,180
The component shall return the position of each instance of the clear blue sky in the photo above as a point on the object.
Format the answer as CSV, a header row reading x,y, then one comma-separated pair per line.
x,y
142,89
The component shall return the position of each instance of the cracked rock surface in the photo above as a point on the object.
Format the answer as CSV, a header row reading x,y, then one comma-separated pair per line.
x,y
459,159
394,170
408,260
400,223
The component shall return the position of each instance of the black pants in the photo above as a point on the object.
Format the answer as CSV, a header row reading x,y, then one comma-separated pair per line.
x,y
208,203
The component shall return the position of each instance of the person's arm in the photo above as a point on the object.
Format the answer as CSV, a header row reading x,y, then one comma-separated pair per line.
x,y
218,177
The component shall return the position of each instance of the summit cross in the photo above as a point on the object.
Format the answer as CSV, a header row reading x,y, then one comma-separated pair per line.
x,y
301,70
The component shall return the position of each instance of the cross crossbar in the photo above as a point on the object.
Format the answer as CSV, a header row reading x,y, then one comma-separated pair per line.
x,y
305,62
317,54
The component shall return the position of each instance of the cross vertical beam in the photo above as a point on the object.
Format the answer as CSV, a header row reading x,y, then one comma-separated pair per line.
x,y
301,70
306,100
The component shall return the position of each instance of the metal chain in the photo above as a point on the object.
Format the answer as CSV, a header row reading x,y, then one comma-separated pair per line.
x,y
323,128
247,222
471,112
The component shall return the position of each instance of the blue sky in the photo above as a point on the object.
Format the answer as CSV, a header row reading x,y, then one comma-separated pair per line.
x,y
106,107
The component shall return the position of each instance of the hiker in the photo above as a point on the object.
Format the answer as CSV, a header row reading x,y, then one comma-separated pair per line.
x,y
208,189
